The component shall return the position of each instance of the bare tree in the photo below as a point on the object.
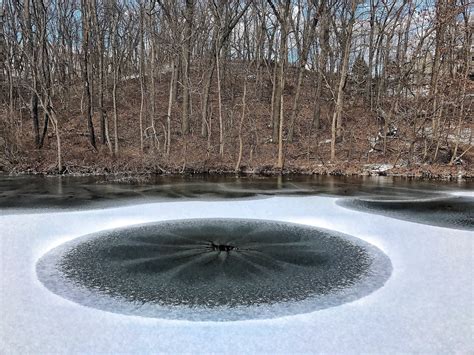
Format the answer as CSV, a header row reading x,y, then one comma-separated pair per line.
x,y
386,77
336,128
86,11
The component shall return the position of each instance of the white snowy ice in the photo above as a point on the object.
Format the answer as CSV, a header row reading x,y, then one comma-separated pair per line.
x,y
427,304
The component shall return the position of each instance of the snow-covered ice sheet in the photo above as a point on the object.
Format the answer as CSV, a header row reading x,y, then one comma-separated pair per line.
x,y
463,193
427,304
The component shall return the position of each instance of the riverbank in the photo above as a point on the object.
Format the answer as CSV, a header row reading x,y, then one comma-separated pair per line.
x,y
361,151
190,157
127,171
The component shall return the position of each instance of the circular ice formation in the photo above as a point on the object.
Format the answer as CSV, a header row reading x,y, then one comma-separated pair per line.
x,y
214,269
448,211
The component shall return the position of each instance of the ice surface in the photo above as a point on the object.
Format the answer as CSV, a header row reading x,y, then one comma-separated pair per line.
x,y
425,306
214,269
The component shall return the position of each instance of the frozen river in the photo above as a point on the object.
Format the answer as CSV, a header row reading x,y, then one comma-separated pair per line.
x,y
423,302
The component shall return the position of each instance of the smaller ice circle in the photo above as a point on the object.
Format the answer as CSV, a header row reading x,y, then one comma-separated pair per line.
x,y
214,269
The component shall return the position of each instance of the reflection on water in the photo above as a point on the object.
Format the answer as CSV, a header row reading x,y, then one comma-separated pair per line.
x,y
74,192
383,195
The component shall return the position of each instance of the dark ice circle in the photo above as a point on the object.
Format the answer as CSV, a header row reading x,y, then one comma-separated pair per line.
x,y
217,267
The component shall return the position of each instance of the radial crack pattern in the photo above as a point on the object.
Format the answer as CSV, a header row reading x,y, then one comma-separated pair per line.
x,y
212,262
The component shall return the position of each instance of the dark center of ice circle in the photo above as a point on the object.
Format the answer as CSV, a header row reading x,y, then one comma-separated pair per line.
x,y
221,247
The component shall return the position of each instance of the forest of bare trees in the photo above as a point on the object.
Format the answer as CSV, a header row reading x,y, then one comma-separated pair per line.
x,y
235,84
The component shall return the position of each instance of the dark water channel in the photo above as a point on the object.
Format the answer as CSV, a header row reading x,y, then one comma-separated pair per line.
x,y
414,200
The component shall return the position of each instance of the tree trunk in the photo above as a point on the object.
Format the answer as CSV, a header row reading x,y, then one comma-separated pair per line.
x,y
186,59
280,137
337,116
34,116
168,115
114,99
322,63
86,72
279,83
369,91
303,49
100,59
142,77
221,126
242,117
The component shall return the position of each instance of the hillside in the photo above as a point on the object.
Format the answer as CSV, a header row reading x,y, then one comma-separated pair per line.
x,y
308,153
342,87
